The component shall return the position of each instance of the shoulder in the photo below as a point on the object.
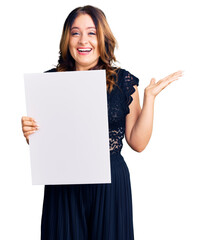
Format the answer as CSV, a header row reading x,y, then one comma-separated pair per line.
x,y
51,70
125,77
119,71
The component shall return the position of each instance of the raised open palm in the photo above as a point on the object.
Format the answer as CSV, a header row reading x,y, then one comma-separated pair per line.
x,y
154,88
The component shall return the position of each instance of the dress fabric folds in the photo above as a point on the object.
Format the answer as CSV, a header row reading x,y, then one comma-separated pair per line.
x,y
96,211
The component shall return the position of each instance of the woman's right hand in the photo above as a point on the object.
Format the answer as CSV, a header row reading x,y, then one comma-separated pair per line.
x,y
29,126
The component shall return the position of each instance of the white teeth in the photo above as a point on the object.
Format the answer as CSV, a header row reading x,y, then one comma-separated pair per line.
x,y
84,50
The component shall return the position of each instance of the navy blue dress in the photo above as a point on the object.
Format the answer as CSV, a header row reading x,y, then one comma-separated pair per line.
x,y
96,211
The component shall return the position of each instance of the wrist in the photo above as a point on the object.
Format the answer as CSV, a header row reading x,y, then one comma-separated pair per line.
x,y
148,97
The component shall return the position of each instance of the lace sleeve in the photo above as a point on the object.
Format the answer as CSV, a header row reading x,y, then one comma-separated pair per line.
x,y
129,81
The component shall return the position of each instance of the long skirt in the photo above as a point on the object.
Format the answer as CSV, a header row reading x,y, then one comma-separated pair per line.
x,y
90,211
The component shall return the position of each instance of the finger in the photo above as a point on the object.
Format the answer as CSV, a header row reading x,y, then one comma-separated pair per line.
x,y
26,129
170,78
180,71
26,134
175,74
152,81
25,118
161,84
175,77
30,123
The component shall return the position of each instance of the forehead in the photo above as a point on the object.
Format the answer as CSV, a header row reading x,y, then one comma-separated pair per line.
x,y
83,21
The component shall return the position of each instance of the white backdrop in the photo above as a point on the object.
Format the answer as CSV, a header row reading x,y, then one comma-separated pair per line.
x,y
155,39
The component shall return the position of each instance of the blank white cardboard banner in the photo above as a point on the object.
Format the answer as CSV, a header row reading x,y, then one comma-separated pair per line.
x,y
72,144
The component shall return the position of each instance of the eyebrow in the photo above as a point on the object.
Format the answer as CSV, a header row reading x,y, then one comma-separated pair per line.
x,y
78,28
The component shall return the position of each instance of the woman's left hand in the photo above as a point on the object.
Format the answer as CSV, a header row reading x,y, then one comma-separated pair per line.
x,y
154,88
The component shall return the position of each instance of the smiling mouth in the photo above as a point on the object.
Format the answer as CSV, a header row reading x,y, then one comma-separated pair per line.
x,y
84,50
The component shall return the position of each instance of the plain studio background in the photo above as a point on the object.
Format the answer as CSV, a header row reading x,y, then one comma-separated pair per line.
x,y
155,38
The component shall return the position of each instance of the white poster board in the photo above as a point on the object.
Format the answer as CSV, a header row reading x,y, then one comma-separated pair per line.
x,y
72,144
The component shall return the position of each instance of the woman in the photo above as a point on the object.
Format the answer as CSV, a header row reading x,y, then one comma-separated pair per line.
x,y
99,211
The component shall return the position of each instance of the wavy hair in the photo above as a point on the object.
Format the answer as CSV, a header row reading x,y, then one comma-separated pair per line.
x,y
106,44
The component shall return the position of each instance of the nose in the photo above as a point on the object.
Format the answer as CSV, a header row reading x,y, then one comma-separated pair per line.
x,y
83,39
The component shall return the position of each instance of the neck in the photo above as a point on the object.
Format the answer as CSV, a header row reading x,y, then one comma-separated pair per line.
x,y
85,68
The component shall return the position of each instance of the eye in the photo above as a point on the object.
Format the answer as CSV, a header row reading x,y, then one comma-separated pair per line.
x,y
75,33
92,33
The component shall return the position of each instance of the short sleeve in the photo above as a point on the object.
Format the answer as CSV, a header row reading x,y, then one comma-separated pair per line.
x,y
128,82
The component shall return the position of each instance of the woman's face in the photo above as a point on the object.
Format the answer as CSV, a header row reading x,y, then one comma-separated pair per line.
x,y
83,44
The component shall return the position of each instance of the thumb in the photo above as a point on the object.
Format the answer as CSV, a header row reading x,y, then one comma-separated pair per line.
x,y
152,81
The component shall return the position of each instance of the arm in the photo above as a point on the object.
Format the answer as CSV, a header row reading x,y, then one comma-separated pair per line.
x,y
139,122
142,129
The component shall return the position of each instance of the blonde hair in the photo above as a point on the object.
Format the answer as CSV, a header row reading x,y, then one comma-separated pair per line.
x,y
106,44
